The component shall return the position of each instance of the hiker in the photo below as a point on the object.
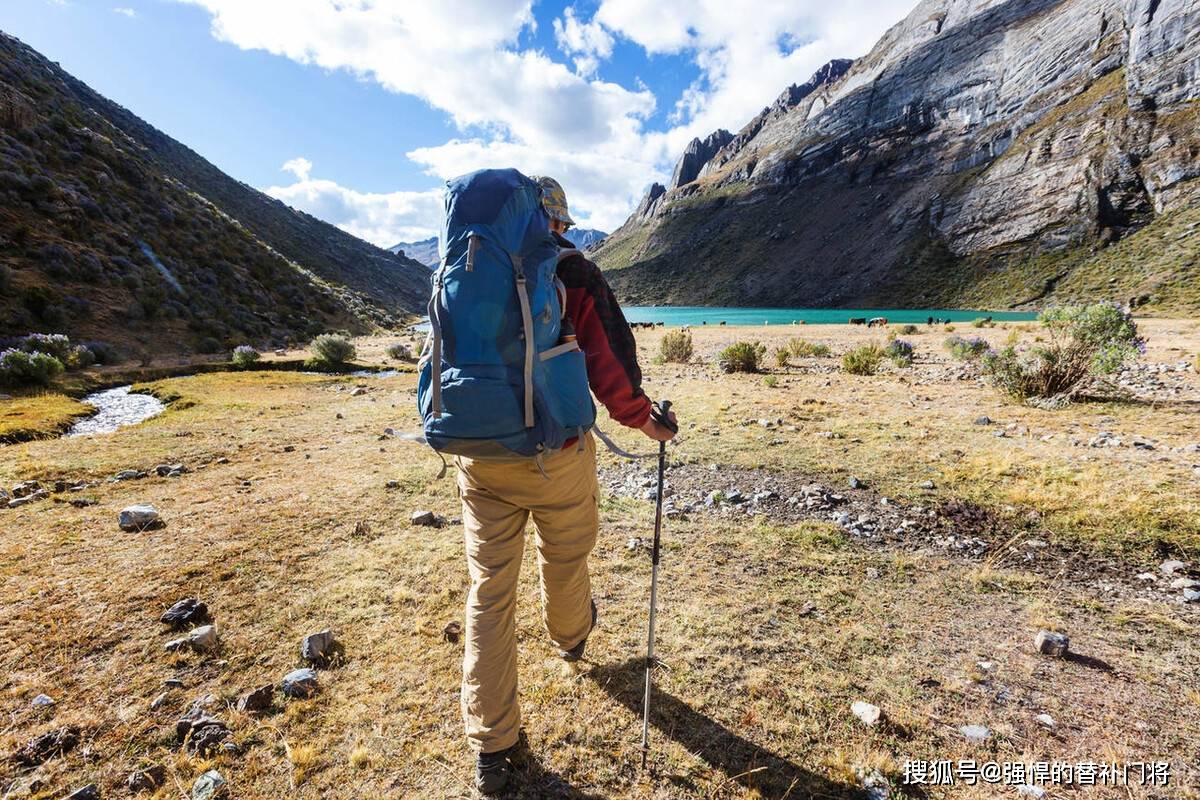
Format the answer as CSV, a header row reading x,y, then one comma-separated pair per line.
x,y
557,486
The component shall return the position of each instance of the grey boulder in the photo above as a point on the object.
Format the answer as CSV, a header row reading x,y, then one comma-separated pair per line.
x,y
138,517
316,647
210,786
300,683
1050,643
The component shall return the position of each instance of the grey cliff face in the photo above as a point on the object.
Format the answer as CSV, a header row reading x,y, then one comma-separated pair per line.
x,y
696,155
973,127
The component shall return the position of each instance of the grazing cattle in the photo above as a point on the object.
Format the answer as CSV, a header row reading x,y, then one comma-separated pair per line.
x,y
929,321
858,320
877,322
722,322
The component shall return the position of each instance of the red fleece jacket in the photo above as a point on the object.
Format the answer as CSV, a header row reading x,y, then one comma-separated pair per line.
x,y
606,340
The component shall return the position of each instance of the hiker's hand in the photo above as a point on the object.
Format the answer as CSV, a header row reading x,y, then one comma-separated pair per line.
x,y
657,431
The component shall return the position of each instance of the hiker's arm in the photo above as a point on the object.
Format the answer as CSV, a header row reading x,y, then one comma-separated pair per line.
x,y
607,343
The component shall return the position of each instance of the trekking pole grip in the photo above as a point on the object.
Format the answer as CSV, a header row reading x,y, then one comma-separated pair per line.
x,y
661,412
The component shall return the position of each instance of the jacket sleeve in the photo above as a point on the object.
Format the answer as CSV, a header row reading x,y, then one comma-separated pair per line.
x,y
606,340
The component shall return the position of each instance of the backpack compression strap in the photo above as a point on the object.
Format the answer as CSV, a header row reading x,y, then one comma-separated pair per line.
x,y
527,322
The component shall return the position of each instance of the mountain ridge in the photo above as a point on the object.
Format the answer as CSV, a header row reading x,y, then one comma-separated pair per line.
x,y
974,146
112,229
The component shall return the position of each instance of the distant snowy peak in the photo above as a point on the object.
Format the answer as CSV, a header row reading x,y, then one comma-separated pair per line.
x,y
426,250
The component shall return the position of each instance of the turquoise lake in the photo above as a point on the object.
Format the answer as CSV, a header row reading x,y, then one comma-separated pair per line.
x,y
701,315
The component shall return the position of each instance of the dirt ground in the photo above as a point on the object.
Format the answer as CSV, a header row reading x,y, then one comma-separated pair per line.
x,y
294,516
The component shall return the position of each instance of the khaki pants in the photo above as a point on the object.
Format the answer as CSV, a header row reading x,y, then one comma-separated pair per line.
x,y
497,499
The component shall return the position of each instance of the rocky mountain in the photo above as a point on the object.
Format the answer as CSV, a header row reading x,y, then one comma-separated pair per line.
x,y
110,229
586,238
984,153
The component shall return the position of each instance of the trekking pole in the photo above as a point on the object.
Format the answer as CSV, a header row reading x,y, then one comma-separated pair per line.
x,y
661,415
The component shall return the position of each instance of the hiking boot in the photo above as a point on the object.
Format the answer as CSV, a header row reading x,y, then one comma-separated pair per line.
x,y
492,771
576,652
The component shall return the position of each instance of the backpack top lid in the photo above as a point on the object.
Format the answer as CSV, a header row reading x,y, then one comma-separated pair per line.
x,y
500,204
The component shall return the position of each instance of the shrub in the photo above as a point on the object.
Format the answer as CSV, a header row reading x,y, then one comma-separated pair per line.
x,y
209,345
80,357
331,350
802,348
102,352
966,349
244,356
1085,344
741,357
676,346
771,381
909,330
863,360
781,356
21,368
52,344
400,351
982,322
900,352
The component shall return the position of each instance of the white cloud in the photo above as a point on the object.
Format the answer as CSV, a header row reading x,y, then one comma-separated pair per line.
x,y
588,43
300,167
125,11
383,219
520,107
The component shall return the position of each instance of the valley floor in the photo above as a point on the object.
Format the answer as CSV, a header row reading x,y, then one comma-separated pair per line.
x,y
920,591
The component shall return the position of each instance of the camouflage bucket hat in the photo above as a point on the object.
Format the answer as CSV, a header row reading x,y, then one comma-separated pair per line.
x,y
554,199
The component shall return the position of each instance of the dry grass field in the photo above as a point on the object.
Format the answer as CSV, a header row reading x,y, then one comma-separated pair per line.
x,y
294,516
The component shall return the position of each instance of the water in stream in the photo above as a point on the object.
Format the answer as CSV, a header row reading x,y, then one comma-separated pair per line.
x,y
116,408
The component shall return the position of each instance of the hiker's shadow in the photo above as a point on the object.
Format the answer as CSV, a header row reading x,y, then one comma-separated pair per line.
x,y
531,780
741,760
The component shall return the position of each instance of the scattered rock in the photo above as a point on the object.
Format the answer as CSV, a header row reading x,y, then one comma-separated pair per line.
x,y
1191,596
1029,790
869,714
146,780
1050,643
89,792
1045,720
633,544
927,485
170,470
160,701
26,488
392,484
17,502
207,735
358,392
82,502
1185,583
873,783
128,475
452,632
188,611
855,483
983,420
257,700
203,640
1147,576
43,701
1171,567
138,518
210,786
173,683
315,648
300,683
48,745
976,734
425,518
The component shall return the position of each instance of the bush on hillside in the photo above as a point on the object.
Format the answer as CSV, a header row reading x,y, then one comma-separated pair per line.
x,y
802,348
102,352
966,349
400,351
741,357
909,330
245,356
900,352
863,360
1086,344
80,357
22,368
782,356
676,346
52,344
331,350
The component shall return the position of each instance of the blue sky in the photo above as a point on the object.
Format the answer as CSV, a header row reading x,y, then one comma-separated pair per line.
x,y
372,104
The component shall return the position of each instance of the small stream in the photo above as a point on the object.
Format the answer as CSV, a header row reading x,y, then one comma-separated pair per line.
x,y
116,408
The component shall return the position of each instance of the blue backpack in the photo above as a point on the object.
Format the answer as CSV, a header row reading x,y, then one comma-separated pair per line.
x,y
501,375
